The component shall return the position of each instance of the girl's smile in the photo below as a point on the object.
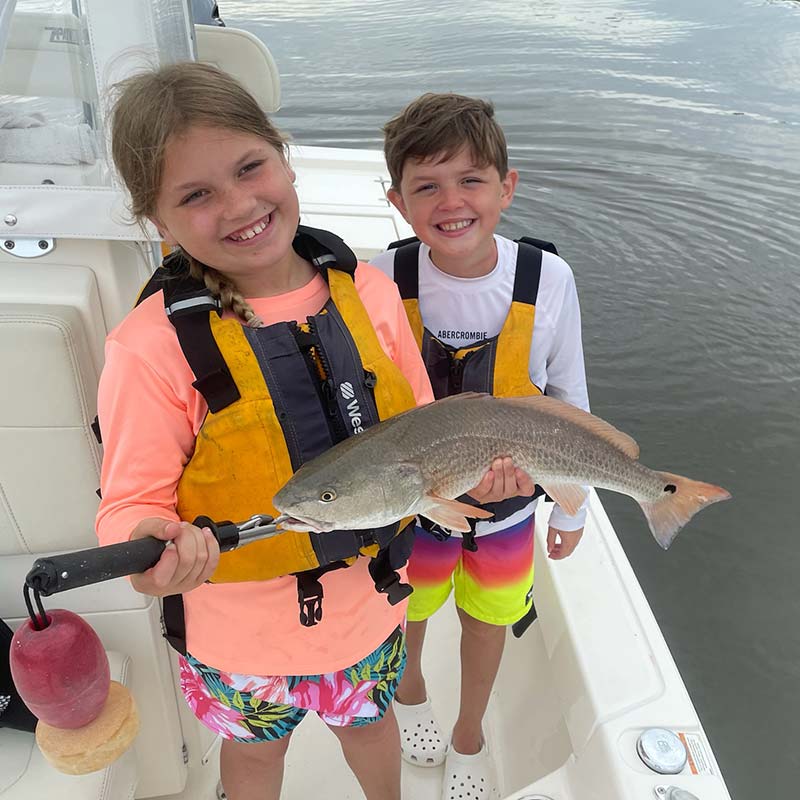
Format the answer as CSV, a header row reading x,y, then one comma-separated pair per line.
x,y
250,234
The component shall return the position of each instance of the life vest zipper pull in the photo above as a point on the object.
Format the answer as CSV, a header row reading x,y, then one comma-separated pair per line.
x,y
456,375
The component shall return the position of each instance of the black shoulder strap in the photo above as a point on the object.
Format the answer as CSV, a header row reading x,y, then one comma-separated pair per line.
x,y
173,622
401,242
174,268
324,250
540,243
213,379
528,272
406,269
187,303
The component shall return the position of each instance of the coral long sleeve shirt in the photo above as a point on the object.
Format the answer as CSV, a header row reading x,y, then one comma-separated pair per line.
x,y
150,415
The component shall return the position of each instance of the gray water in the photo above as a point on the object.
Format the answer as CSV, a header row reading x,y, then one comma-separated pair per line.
x,y
658,143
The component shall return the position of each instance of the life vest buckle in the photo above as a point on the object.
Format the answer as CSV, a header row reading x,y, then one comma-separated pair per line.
x,y
468,541
435,529
390,585
309,598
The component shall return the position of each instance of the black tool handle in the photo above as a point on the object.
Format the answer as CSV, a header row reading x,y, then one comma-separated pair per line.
x,y
60,573
68,571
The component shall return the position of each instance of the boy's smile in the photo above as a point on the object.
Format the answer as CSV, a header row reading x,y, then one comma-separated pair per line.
x,y
454,206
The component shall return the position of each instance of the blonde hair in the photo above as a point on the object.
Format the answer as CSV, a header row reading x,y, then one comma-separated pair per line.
x,y
438,126
151,108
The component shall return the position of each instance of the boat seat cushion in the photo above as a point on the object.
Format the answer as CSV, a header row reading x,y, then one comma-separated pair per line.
x,y
51,349
26,774
247,58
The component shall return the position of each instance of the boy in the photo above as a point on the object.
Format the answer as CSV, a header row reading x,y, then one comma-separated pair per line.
x,y
472,297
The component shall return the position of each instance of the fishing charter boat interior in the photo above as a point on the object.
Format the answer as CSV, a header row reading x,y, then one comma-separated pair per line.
x,y
589,703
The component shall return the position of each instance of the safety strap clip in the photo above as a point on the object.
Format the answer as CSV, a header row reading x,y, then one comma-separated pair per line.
x,y
309,598
390,585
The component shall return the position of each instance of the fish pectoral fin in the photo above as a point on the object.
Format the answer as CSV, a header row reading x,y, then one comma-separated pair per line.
x,y
452,514
569,496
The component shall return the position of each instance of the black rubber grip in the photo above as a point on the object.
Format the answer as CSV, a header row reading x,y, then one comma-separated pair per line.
x,y
71,570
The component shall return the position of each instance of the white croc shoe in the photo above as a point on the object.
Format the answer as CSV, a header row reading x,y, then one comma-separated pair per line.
x,y
469,777
421,739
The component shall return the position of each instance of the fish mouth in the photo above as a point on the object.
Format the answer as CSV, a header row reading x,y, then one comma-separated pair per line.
x,y
295,523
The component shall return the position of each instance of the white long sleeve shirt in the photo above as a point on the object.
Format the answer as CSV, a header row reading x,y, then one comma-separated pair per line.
x,y
463,311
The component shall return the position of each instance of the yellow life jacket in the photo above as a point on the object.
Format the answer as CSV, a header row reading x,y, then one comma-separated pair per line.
x,y
278,396
498,365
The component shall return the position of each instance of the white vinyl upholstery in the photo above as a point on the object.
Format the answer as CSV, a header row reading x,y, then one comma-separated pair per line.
x,y
51,346
246,58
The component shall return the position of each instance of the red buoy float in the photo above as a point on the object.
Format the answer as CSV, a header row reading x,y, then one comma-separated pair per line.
x,y
61,671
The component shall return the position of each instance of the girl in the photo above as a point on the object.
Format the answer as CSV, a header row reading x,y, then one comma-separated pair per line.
x,y
212,394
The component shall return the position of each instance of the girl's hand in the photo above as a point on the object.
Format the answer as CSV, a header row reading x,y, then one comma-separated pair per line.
x,y
188,561
568,542
503,480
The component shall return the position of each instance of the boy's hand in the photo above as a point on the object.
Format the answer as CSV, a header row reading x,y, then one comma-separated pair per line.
x,y
563,548
188,561
503,480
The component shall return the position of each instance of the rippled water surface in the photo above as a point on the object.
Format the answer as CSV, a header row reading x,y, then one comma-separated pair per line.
x,y
658,143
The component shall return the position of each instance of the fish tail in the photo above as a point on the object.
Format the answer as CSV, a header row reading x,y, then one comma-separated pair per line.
x,y
682,499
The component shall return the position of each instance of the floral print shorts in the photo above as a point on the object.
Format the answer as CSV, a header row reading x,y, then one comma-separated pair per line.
x,y
252,708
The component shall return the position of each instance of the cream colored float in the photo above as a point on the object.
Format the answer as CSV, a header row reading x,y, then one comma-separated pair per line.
x,y
575,693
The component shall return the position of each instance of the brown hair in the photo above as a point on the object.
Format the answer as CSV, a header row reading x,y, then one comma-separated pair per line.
x,y
154,106
438,126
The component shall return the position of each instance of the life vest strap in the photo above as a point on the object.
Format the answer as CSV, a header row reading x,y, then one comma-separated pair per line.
x,y
522,624
383,567
393,554
406,268
310,593
542,244
439,532
173,622
214,380
323,248
187,303
193,304
527,274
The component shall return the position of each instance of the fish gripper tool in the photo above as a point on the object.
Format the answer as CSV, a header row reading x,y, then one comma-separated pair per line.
x,y
59,573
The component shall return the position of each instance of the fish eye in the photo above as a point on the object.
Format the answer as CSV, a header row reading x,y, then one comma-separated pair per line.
x,y
328,496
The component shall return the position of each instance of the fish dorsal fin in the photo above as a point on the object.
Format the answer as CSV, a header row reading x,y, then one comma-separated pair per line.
x,y
599,427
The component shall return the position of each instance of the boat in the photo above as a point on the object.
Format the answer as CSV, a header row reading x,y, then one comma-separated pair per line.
x,y
588,705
